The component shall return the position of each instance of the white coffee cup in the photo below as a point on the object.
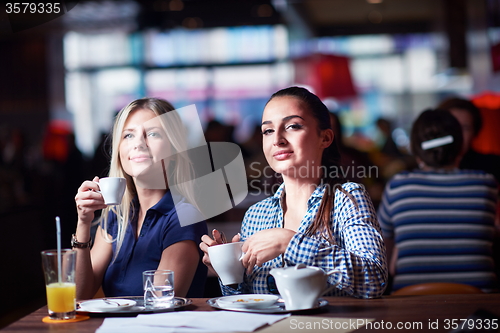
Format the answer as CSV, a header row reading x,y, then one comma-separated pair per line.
x,y
225,259
112,189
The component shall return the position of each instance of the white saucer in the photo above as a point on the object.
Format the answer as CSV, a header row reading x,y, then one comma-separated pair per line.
x,y
252,301
277,307
112,305
138,308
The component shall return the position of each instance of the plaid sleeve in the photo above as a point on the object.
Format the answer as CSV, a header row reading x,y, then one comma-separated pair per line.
x,y
227,290
358,253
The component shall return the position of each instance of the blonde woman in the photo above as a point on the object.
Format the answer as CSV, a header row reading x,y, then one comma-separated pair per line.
x,y
143,232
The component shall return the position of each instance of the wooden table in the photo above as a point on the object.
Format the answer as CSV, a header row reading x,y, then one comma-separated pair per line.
x,y
433,313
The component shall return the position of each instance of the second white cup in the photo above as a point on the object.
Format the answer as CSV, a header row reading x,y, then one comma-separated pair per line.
x,y
225,259
112,189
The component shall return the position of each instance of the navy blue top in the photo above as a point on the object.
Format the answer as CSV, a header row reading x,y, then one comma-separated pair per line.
x,y
160,229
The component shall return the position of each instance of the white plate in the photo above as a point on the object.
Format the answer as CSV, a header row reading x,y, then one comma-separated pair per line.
x,y
111,305
252,301
138,308
278,307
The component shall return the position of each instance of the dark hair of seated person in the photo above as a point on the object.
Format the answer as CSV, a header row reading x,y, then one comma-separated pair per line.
x,y
466,105
434,124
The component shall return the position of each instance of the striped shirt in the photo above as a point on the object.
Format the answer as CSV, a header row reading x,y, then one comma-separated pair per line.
x,y
358,252
442,224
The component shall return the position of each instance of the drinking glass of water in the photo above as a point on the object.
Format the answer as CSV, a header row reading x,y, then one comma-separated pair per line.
x,y
158,288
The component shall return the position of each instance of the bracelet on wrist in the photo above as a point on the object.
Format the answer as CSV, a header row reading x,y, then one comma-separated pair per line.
x,y
76,244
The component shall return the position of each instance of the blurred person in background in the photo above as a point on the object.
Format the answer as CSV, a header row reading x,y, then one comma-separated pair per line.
x,y
351,157
469,117
14,175
388,157
357,165
389,148
438,220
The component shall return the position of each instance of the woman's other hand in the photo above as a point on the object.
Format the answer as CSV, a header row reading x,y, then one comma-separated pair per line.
x,y
207,241
88,200
264,246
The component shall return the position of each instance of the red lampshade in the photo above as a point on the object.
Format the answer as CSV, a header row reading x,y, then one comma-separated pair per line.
x,y
55,142
488,139
328,75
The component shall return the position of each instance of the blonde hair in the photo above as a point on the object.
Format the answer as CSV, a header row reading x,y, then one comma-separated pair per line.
x,y
182,169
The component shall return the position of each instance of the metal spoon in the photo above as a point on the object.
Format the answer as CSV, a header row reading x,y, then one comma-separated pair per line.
x,y
107,301
223,237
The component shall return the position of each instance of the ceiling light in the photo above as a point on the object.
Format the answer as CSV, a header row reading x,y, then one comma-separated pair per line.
x,y
192,22
176,5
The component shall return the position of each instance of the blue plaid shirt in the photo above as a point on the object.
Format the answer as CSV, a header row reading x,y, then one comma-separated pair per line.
x,y
358,251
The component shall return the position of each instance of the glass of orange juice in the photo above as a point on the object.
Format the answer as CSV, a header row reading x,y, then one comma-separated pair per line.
x,y
60,286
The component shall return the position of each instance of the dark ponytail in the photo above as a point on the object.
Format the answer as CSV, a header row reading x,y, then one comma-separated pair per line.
x,y
330,160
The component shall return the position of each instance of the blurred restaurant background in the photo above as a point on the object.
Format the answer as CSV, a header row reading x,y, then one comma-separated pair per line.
x,y
376,64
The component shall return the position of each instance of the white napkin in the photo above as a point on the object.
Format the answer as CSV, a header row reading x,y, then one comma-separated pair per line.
x,y
190,321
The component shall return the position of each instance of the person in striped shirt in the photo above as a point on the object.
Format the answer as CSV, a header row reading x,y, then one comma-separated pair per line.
x,y
315,218
439,218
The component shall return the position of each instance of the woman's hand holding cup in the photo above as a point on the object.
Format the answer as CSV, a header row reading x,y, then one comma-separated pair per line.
x,y
207,241
88,200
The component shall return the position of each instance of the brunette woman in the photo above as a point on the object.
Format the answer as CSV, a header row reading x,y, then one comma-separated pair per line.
x,y
315,217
